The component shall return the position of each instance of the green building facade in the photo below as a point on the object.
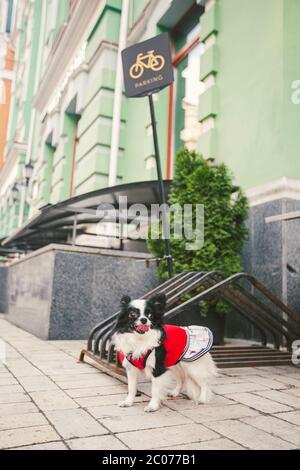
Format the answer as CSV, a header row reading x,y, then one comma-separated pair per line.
x,y
235,100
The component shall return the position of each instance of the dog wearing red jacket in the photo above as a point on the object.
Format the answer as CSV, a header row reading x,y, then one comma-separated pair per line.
x,y
162,352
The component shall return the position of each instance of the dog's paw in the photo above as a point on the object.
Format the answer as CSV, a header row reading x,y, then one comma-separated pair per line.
x,y
151,408
125,404
173,394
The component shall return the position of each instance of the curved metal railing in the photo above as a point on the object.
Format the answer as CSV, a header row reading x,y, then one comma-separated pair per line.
x,y
267,318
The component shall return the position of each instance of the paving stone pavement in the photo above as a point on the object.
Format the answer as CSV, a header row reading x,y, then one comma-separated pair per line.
x,y
50,401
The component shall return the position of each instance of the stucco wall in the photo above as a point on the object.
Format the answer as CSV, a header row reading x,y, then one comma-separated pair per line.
x,y
257,59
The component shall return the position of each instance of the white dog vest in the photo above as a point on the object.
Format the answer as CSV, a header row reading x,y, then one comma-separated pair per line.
x,y
199,341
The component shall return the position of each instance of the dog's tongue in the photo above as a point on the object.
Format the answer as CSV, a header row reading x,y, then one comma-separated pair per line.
x,y
143,328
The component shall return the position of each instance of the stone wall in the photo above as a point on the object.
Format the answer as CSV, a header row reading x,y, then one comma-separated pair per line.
x,y
3,289
62,292
272,255
88,289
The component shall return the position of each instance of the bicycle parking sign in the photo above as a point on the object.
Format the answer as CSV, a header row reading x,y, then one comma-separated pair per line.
x,y
147,66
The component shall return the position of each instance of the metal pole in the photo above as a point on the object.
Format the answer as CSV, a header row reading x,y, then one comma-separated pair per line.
x,y
74,234
162,194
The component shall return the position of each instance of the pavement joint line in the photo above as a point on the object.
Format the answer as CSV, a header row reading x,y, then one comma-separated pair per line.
x,y
92,396
272,399
33,444
220,436
260,396
276,415
229,438
268,432
29,445
110,433
156,428
251,426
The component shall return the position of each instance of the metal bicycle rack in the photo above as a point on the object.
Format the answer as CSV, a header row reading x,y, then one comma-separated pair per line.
x,y
275,322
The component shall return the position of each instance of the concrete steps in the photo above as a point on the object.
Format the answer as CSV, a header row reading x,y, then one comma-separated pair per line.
x,y
249,356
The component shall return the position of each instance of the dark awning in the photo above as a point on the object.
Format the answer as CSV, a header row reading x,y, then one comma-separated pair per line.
x,y
8,252
55,223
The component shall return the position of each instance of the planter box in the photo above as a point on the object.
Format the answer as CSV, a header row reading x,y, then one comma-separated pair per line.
x,y
214,321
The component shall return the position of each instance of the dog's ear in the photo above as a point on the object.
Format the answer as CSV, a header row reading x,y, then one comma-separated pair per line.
x,y
158,302
125,300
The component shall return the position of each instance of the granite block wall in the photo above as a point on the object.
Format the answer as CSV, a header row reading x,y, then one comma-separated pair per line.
x,y
272,255
3,289
88,289
62,293
30,293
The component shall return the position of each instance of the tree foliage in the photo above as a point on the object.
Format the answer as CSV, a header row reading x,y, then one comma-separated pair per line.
x,y
197,181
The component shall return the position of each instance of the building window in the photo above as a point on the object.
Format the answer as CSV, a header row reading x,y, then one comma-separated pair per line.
x,y
10,5
183,126
193,88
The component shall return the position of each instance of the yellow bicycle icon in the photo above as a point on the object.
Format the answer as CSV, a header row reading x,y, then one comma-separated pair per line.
x,y
146,61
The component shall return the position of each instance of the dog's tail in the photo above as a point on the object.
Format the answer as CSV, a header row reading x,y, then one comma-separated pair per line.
x,y
213,370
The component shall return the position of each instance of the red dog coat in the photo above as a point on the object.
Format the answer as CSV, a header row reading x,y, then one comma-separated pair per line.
x,y
181,344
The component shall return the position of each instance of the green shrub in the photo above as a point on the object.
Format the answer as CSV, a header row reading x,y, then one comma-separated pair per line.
x,y
196,181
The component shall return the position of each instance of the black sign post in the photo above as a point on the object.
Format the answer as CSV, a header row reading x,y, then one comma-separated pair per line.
x,y
148,69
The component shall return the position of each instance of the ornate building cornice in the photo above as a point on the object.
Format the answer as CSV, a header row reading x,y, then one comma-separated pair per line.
x,y
74,34
283,188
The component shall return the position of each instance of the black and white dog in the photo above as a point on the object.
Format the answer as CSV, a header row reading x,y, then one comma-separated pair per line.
x,y
163,352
